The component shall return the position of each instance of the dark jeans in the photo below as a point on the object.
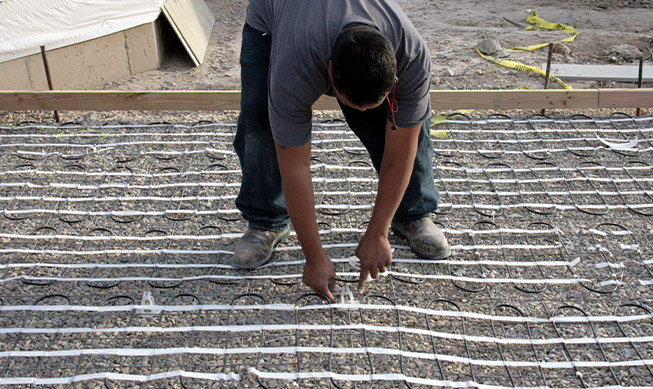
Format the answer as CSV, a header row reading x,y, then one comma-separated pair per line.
x,y
261,199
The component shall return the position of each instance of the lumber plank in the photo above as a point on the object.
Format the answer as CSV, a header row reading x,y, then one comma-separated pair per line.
x,y
618,73
120,100
514,99
626,98
326,103
193,22
230,100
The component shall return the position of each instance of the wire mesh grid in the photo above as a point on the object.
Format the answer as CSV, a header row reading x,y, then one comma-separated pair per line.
x,y
116,238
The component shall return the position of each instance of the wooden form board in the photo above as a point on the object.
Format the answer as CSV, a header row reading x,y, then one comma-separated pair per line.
x,y
120,100
619,73
193,23
515,99
230,100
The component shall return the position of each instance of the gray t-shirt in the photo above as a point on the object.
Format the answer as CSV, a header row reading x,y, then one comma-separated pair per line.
x,y
303,33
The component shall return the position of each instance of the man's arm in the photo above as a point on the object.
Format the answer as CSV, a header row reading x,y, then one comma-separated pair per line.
x,y
396,169
294,165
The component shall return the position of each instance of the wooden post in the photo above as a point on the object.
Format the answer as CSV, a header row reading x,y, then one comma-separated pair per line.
x,y
49,78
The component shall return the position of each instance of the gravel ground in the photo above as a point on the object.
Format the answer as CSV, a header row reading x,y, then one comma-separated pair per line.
x,y
117,228
116,237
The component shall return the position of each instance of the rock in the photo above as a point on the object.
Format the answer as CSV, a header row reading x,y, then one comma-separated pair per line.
x,y
449,72
561,49
605,4
625,52
490,47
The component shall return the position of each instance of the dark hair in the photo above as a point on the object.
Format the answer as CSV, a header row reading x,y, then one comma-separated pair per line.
x,y
363,65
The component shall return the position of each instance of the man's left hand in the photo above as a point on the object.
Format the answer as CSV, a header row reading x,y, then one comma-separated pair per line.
x,y
375,255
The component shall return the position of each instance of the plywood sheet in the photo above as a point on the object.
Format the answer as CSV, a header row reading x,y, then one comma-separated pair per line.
x,y
193,23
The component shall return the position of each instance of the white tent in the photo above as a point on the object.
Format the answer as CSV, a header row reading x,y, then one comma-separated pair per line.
x,y
29,24
127,35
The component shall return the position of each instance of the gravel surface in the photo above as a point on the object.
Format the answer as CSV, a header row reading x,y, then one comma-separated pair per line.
x,y
116,235
117,228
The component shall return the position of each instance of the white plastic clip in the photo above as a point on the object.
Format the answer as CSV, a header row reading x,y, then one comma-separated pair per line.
x,y
346,298
147,301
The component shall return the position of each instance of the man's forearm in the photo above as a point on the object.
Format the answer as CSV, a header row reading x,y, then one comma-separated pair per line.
x,y
294,164
392,185
396,169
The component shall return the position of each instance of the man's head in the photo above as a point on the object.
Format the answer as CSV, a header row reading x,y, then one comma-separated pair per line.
x,y
363,66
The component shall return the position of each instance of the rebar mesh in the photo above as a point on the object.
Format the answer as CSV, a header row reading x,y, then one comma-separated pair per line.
x,y
116,238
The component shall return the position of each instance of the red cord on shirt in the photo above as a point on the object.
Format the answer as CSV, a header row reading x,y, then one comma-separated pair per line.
x,y
394,107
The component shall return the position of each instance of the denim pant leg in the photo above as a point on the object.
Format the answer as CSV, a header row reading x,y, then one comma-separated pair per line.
x,y
261,198
421,197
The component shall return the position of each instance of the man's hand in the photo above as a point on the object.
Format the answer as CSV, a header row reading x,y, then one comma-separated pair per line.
x,y
320,275
375,255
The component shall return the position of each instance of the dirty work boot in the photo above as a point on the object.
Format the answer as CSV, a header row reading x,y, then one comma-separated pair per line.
x,y
255,247
424,237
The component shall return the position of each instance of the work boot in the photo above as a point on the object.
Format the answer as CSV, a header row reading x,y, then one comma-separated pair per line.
x,y
255,247
424,238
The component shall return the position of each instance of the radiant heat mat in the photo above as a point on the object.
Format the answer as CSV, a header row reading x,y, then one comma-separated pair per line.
x,y
115,241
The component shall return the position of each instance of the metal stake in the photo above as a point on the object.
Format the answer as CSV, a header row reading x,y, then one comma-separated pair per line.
x,y
639,80
548,69
49,78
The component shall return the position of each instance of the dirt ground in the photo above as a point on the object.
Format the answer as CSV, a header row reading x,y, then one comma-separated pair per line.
x,y
610,32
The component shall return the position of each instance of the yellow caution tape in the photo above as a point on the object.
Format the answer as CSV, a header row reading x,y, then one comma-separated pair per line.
x,y
536,23
522,68
440,134
440,118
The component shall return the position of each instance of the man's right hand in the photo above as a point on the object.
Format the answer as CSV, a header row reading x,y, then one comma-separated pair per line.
x,y
320,275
